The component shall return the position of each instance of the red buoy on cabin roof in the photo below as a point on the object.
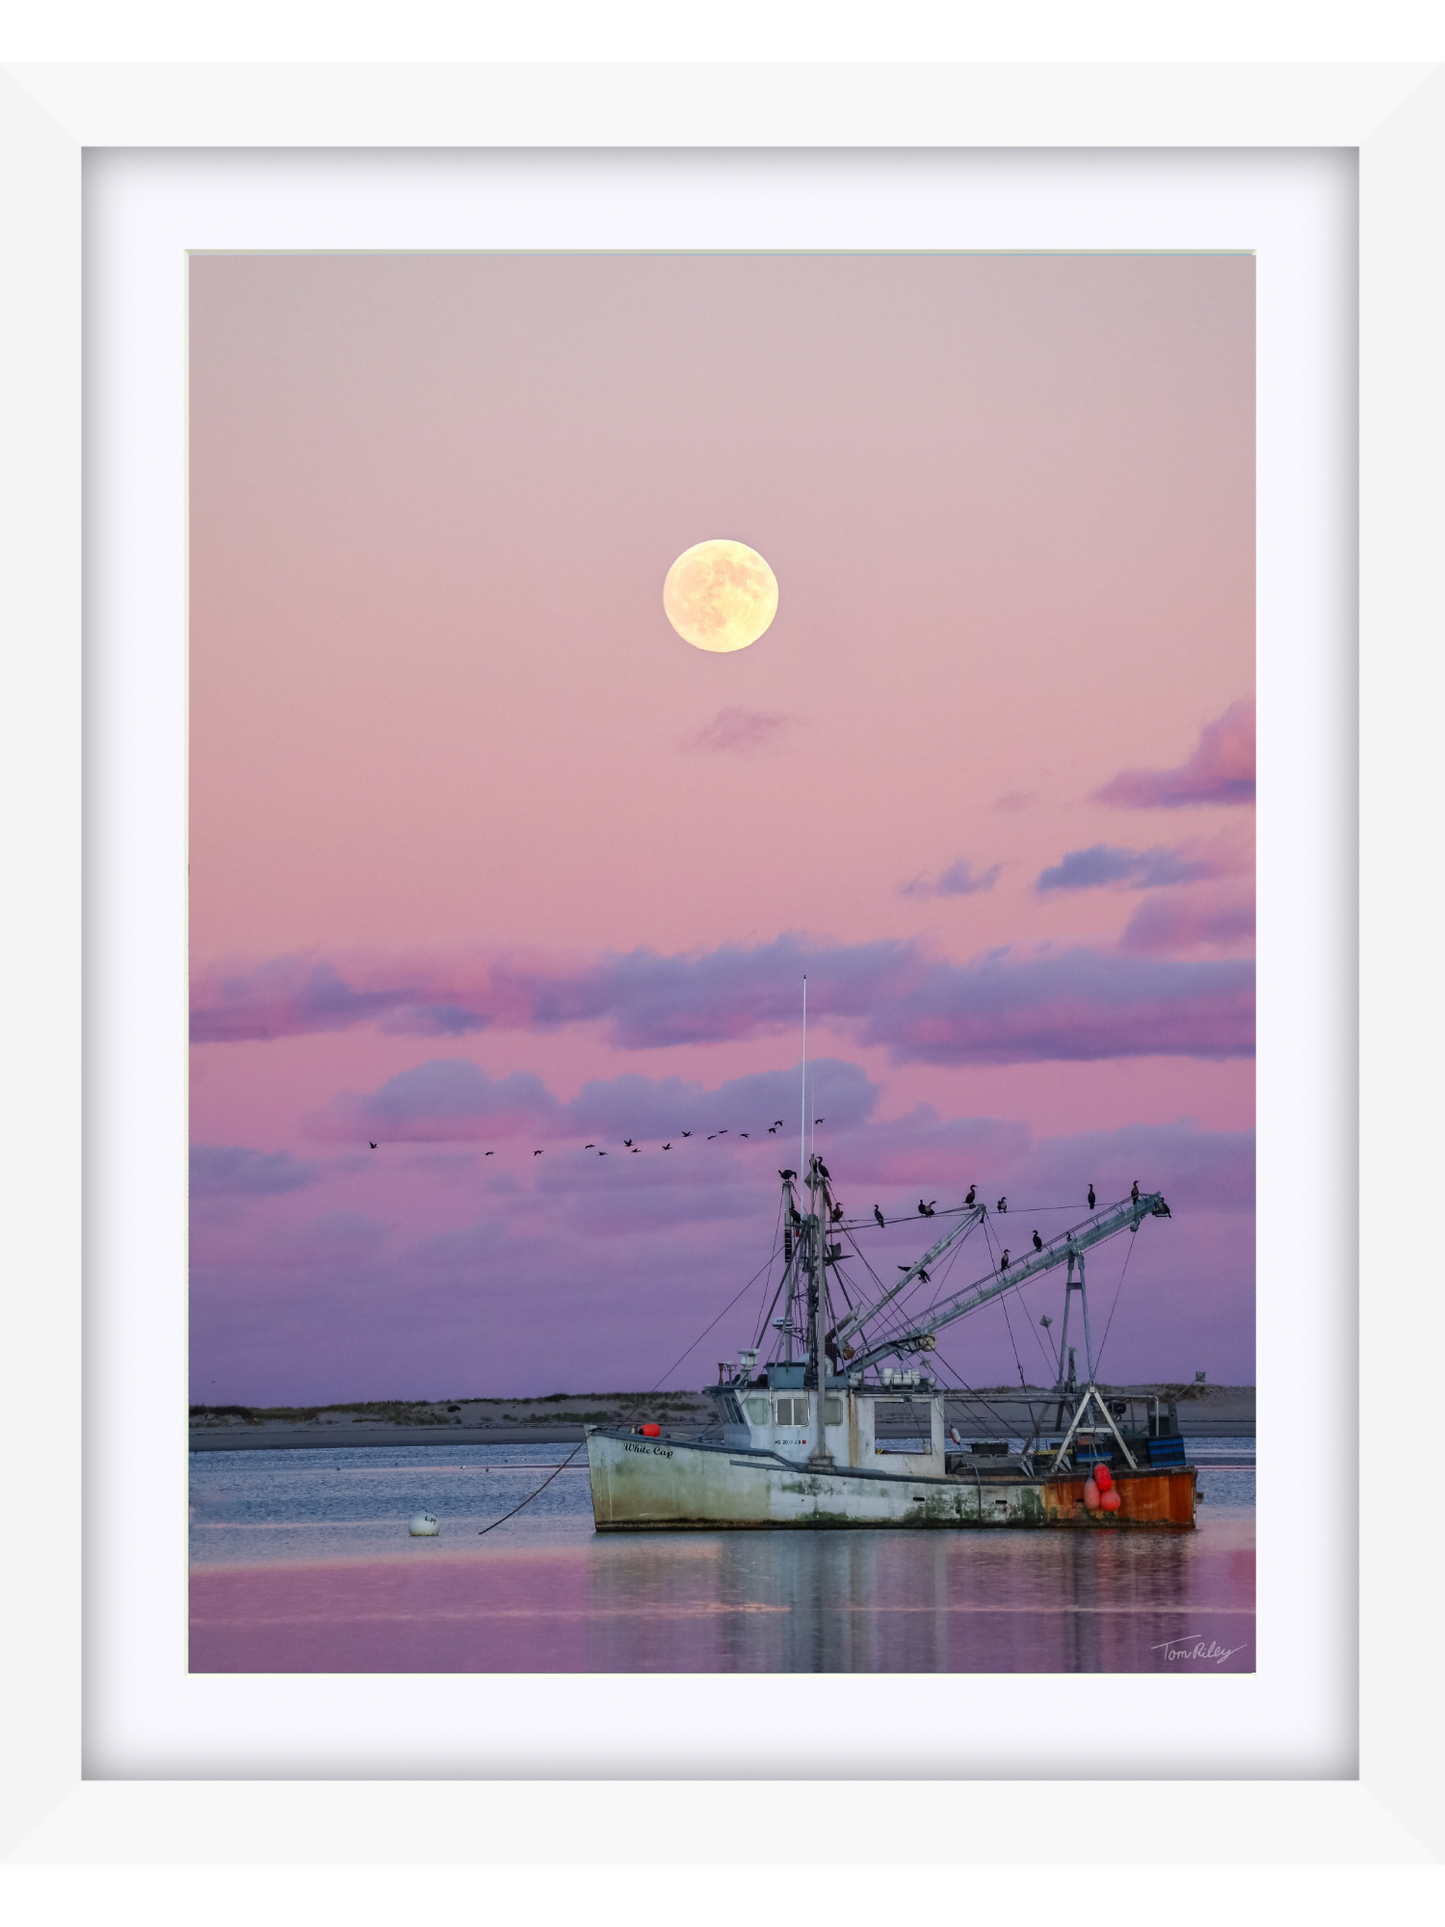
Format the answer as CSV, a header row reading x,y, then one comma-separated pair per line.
x,y
652,1431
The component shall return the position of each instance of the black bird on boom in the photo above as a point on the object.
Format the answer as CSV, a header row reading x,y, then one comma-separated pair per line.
x,y
837,1213
1038,1242
926,1210
1091,1197
972,1194
879,1216
1002,1205
1134,1192
923,1275
1003,1262
786,1175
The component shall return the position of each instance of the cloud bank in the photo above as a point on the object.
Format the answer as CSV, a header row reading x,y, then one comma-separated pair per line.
x,y
1005,1007
1221,770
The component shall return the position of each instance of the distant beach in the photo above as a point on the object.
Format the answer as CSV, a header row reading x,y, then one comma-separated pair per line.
x,y
1205,1411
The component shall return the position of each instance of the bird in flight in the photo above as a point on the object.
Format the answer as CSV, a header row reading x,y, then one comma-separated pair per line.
x,y
879,1215
923,1275
972,1194
667,1147
1038,1242
820,1120
637,1150
710,1136
777,1120
742,1133
602,1154
687,1133
536,1154
372,1143
772,1130
628,1142
723,1132
1091,1197
489,1154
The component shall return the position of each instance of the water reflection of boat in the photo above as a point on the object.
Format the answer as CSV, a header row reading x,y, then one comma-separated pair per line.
x,y
829,1434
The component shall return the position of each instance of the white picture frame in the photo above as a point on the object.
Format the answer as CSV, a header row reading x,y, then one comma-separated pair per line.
x,y
1393,117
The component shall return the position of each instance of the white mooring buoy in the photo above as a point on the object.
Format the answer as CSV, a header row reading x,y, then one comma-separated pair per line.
x,y
423,1526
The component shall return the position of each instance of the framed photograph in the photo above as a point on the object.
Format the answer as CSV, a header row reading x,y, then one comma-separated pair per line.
x,y
1286,220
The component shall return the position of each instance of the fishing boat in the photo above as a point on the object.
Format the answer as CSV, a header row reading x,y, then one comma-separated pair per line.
x,y
846,1423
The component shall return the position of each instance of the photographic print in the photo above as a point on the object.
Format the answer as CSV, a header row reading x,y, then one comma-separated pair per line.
x,y
722,921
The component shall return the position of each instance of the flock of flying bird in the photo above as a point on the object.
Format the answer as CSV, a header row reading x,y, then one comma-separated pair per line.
x,y
926,1207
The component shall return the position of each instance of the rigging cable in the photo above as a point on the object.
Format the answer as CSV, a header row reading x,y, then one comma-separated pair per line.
x,y
707,1328
532,1495
1099,1355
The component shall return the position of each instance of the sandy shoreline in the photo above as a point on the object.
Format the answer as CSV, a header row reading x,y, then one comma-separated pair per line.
x,y
1205,1411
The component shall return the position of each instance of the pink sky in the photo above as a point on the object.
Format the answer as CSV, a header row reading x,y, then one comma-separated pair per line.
x,y
465,806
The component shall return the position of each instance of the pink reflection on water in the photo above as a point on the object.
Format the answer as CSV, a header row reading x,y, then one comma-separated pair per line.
x,y
747,1602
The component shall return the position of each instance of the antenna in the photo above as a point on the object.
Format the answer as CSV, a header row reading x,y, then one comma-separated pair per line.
x,y
803,1113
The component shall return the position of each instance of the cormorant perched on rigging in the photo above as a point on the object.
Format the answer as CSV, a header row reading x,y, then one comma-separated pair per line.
x,y
1038,1242
923,1275
1002,1205
837,1213
824,1172
786,1175
972,1194
1134,1191
1003,1262
879,1216
1091,1197
926,1210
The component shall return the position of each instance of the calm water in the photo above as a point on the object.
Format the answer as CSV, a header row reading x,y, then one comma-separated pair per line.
x,y
301,1562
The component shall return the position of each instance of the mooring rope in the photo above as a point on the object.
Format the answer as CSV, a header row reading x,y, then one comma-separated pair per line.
x,y
532,1495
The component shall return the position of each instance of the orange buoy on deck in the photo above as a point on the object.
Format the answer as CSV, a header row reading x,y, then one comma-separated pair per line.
x,y
652,1431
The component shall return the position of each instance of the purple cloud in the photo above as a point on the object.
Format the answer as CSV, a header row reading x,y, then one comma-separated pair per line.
x,y
1071,1005
959,880
1187,921
1001,1008
452,1099
1105,863
1221,770
738,731
233,1171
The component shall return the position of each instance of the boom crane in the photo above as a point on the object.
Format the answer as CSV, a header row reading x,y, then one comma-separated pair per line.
x,y
1062,1249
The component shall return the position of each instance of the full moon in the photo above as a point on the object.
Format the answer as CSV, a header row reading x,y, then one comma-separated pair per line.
x,y
720,595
